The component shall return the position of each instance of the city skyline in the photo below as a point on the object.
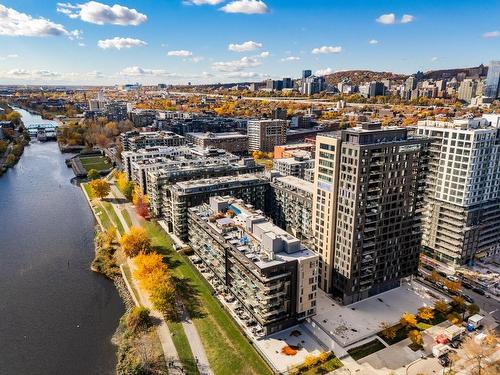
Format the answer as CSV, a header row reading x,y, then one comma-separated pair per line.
x,y
181,41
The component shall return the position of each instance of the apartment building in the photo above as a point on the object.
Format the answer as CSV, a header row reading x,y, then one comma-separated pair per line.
x,y
263,135
368,188
179,197
293,166
291,206
194,164
134,140
462,203
233,142
129,157
286,151
267,270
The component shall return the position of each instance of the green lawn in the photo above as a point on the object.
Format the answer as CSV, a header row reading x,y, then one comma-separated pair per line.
x,y
183,348
228,351
366,349
323,368
103,216
126,216
114,217
98,163
128,276
88,190
423,326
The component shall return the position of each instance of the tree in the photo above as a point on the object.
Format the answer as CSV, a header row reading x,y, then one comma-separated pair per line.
x,y
100,188
138,318
472,309
388,331
146,264
310,361
408,320
477,353
425,313
135,241
14,116
416,337
164,300
441,306
458,304
93,174
124,185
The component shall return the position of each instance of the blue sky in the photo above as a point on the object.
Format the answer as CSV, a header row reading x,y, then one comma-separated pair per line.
x,y
176,41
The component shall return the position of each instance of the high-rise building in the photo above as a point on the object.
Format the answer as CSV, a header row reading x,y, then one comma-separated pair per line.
x,y
267,270
233,142
493,80
287,83
279,114
306,73
462,201
467,89
367,190
263,135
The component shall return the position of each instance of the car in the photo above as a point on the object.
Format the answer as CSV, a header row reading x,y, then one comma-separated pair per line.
x,y
427,267
444,360
442,274
455,344
468,298
466,285
479,291
452,278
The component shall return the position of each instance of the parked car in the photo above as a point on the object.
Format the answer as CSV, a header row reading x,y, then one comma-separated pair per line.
x,y
444,360
479,291
468,298
455,344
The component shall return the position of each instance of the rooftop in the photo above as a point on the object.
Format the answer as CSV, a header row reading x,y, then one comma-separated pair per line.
x,y
210,135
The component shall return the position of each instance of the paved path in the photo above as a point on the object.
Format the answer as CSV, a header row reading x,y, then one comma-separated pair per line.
x,y
196,346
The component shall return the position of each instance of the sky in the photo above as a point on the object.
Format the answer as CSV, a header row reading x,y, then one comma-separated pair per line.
x,y
207,41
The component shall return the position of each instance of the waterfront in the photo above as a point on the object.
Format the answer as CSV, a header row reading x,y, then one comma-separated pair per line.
x,y
58,317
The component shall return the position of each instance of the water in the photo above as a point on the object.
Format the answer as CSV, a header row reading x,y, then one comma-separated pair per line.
x,y
56,316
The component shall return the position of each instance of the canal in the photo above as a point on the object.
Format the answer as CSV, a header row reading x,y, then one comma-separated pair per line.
x,y
56,316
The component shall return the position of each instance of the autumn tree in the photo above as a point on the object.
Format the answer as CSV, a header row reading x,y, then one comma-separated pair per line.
x,y
138,319
388,331
425,313
408,320
441,306
135,241
477,353
472,309
163,298
100,188
416,337
458,304
93,174
124,185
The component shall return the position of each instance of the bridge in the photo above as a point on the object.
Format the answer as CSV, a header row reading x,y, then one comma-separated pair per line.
x,y
47,128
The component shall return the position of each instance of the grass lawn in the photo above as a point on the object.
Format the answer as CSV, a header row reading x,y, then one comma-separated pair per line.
x,y
324,368
401,334
228,351
128,275
423,326
88,190
103,216
98,163
126,216
114,217
183,348
366,349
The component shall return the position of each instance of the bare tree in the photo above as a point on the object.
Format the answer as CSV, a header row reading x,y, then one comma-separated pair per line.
x,y
474,356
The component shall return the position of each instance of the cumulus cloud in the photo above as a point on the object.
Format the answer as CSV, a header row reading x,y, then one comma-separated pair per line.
x,y
237,65
323,72
373,41
407,18
135,71
492,34
203,2
326,49
387,19
14,23
196,59
100,14
180,53
264,54
120,43
290,58
245,46
434,59
245,75
10,56
95,74
27,74
246,7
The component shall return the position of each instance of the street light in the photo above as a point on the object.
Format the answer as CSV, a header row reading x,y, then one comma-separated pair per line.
x,y
415,361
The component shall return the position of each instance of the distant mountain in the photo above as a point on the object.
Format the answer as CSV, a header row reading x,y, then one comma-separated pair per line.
x,y
474,72
358,77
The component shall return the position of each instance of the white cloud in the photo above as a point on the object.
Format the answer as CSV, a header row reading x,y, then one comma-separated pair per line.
x,y
10,56
14,23
81,44
387,19
100,14
196,59
203,2
95,74
407,18
27,74
244,47
373,41
246,7
491,34
120,43
434,59
326,49
245,75
135,71
324,72
180,53
237,65
265,54
290,58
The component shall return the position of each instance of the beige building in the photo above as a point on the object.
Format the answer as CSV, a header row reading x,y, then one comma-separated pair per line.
x,y
263,135
233,142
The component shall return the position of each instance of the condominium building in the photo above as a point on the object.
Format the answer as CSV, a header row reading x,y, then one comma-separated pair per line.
x,y
233,142
286,151
368,186
291,206
193,164
462,201
263,135
178,197
134,140
293,166
129,157
267,270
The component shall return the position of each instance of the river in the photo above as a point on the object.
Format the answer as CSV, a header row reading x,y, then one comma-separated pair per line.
x,y
56,316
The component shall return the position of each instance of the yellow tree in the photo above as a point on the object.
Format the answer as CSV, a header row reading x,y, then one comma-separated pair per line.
x,y
388,331
477,353
135,241
100,188
441,306
408,320
425,313
164,300
416,337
